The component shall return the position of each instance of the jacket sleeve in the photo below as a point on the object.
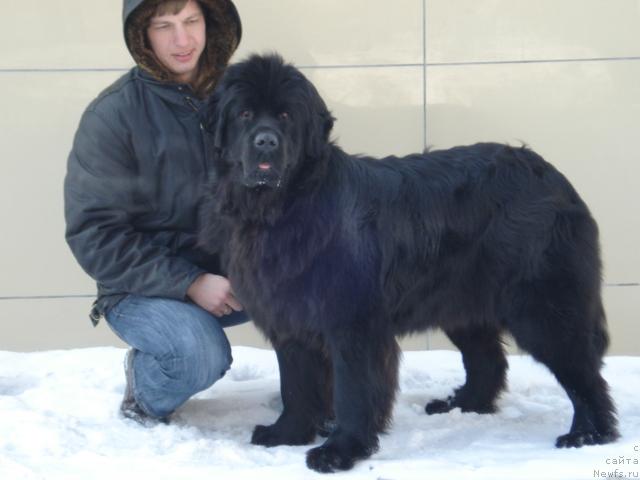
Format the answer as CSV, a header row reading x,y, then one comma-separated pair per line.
x,y
100,203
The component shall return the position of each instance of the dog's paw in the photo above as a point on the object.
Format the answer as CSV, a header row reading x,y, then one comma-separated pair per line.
x,y
454,401
274,435
264,435
579,439
329,459
440,406
340,452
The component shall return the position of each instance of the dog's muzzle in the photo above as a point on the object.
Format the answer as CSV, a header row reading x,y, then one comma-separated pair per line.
x,y
264,169
264,175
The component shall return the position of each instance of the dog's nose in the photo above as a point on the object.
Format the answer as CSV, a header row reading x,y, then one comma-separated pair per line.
x,y
266,142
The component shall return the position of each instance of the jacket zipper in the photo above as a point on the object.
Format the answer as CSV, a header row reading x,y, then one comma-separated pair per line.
x,y
204,140
195,109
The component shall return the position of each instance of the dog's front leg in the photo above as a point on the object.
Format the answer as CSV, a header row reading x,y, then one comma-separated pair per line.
x,y
305,386
365,369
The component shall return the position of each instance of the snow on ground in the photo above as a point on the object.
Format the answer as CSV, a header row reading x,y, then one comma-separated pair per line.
x,y
59,420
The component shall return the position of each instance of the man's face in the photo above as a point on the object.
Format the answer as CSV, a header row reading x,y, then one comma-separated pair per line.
x,y
178,40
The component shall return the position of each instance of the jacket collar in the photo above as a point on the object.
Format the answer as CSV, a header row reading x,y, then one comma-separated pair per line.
x,y
179,94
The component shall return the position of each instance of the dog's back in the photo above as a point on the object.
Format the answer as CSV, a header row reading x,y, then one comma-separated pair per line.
x,y
458,232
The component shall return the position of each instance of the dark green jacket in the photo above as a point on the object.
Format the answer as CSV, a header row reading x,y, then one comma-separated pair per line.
x,y
132,189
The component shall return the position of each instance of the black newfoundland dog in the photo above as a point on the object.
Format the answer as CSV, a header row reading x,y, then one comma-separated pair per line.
x,y
334,255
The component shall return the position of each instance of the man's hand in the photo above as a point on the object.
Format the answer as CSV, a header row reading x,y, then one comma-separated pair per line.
x,y
214,294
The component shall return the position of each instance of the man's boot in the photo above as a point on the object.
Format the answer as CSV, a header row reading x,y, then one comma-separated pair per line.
x,y
129,406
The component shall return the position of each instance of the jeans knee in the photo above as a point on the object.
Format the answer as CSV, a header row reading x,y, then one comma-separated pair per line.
x,y
203,365
185,348
218,363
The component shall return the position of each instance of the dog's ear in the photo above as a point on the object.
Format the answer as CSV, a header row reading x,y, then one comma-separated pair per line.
x,y
320,124
327,123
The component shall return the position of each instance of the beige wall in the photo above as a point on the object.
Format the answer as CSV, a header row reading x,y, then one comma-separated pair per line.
x,y
560,75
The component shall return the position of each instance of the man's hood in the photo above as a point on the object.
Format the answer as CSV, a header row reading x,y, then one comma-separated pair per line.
x,y
224,32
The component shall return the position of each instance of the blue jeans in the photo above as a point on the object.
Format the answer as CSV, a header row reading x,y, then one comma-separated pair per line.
x,y
179,349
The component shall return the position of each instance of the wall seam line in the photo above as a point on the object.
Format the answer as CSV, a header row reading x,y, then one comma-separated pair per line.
x,y
424,63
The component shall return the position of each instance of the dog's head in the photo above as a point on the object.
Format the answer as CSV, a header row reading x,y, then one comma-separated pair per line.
x,y
268,121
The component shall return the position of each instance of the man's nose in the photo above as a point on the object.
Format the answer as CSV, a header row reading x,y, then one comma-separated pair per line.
x,y
180,36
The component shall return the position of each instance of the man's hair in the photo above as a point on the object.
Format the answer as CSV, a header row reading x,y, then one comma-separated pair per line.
x,y
149,9
170,7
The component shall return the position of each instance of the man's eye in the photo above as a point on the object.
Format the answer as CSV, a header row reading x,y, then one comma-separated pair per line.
x,y
246,114
283,115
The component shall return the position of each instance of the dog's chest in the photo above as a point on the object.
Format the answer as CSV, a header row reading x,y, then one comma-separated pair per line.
x,y
263,258
283,270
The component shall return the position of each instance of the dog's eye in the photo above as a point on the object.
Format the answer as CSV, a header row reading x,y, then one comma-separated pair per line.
x,y
283,115
246,114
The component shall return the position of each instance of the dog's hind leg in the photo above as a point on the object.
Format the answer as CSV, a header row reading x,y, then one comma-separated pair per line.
x,y
485,365
305,387
559,319
365,372
571,345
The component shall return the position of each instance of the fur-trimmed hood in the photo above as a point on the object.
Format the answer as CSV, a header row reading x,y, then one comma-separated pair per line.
x,y
224,31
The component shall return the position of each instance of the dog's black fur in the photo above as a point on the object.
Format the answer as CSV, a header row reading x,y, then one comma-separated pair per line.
x,y
334,255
